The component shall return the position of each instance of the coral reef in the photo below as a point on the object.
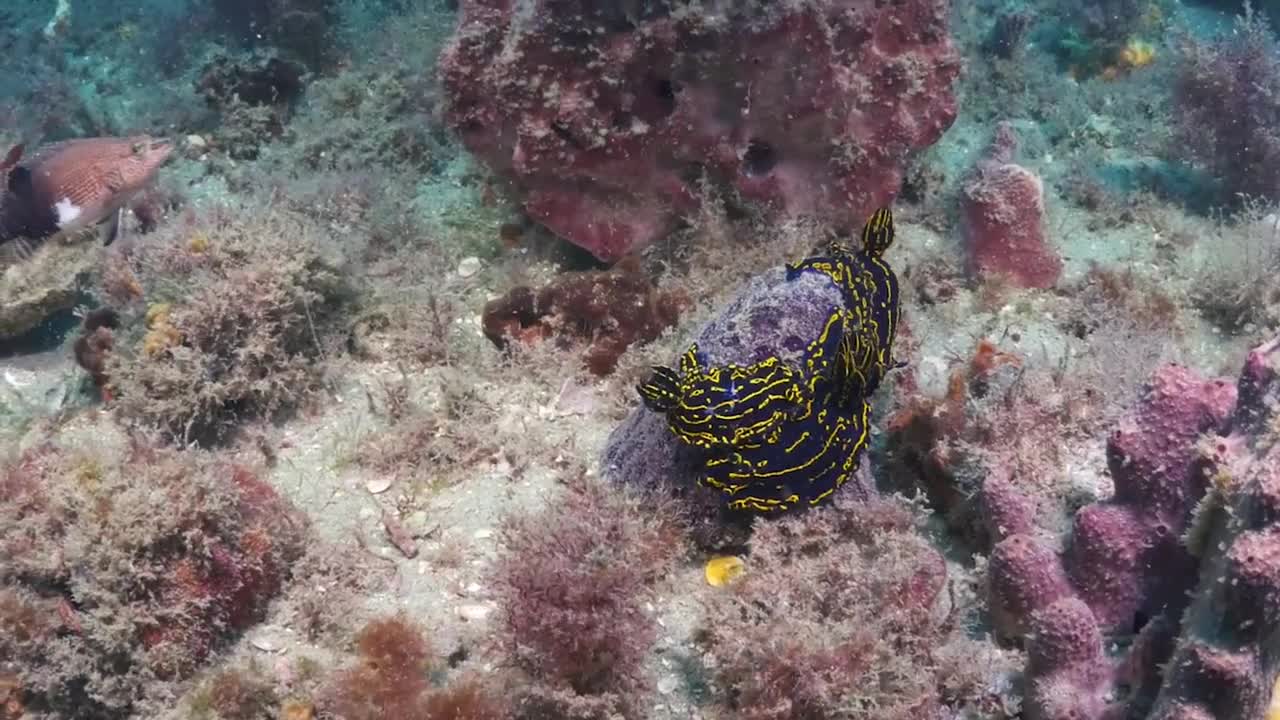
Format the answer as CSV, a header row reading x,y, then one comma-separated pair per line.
x,y
346,289
608,310
1153,457
1227,98
1004,218
124,564
607,120
571,583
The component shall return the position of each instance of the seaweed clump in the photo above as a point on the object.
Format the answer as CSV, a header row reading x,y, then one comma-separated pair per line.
x,y
254,98
238,694
392,679
124,566
841,614
1099,36
227,320
300,29
571,583
1228,99
609,310
357,120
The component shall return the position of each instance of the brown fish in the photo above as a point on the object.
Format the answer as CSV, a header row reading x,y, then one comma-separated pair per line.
x,y
69,186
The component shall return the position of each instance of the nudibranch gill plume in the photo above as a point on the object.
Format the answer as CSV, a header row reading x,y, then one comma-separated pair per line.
x,y
776,436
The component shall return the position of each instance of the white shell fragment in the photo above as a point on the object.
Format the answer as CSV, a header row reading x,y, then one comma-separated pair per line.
x,y
474,613
265,642
469,266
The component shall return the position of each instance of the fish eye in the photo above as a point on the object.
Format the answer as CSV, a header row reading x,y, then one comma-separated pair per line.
x,y
139,148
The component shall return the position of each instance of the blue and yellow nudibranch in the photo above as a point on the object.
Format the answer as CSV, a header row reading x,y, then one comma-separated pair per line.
x,y
774,436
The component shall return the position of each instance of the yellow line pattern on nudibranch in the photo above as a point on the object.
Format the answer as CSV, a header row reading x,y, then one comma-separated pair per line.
x,y
777,437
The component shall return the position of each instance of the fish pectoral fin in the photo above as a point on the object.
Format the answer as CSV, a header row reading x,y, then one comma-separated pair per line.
x,y
112,227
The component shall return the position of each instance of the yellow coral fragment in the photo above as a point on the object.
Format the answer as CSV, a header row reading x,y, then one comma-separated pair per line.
x,y
723,569
1137,53
161,334
157,313
199,242
88,473
297,710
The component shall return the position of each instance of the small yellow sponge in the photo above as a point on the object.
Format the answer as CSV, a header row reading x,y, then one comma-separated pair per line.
x,y
724,569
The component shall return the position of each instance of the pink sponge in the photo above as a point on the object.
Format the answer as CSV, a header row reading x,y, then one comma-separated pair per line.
x,y
608,123
1069,673
1124,563
1004,216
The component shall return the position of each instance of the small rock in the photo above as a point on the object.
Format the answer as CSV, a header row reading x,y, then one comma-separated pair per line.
x,y
482,534
47,281
197,141
285,674
474,613
377,486
667,685
417,523
574,399
265,642
401,538
469,266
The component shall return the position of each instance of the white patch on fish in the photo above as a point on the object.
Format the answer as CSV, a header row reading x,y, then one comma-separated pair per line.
x,y
67,212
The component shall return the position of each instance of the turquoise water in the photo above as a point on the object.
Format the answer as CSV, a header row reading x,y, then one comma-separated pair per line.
x,y
328,336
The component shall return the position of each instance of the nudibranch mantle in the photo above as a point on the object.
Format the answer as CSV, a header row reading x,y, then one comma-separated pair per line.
x,y
776,436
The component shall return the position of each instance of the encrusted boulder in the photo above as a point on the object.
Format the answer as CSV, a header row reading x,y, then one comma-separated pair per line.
x,y
607,119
